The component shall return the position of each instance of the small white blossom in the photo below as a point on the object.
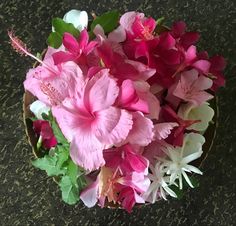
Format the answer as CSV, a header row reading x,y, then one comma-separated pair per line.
x,y
204,113
38,108
159,186
177,163
78,18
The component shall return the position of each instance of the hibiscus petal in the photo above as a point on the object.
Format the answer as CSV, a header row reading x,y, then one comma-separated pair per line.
x,y
203,83
113,125
163,130
101,91
86,151
142,130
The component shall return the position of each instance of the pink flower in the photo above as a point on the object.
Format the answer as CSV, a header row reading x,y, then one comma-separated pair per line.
x,y
191,87
121,67
177,133
138,26
43,129
126,159
90,121
53,86
76,48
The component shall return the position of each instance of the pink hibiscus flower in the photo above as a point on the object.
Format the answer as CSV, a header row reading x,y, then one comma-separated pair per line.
x,y
90,121
51,84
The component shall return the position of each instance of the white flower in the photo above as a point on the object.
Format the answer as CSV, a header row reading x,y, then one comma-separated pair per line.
x,y
38,108
179,158
159,186
78,18
192,112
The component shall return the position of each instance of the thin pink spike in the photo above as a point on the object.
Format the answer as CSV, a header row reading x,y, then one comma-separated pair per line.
x,y
20,47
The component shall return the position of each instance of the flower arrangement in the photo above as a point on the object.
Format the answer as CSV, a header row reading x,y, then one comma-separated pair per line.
x,y
121,108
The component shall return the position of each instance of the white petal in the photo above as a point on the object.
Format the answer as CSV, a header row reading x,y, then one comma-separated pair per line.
x,y
187,179
78,18
38,108
194,169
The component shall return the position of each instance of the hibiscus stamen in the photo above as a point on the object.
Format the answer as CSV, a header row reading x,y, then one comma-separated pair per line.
x,y
53,95
20,47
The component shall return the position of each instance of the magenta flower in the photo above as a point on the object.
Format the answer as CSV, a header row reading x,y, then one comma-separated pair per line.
x,y
137,26
75,48
90,122
43,129
126,159
191,87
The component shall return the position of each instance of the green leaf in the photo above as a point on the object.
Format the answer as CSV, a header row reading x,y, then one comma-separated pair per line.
x,y
109,21
54,40
53,164
61,27
70,194
49,164
57,132
160,20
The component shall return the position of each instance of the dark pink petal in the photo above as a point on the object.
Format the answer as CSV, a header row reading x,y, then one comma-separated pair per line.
x,y
178,29
166,41
70,43
171,57
189,38
150,23
218,63
61,57
83,39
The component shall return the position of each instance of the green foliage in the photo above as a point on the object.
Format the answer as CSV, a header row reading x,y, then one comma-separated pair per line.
x,y
60,26
52,164
109,21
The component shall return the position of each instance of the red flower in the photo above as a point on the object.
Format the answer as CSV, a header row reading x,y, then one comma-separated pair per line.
x,y
43,129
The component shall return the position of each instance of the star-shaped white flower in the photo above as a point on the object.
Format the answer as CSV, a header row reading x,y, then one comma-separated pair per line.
x,y
159,186
177,163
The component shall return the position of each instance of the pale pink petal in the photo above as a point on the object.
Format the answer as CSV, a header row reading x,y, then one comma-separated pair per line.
x,y
127,20
203,83
86,151
153,150
117,35
144,71
163,130
112,125
201,97
89,195
154,106
101,91
142,130
127,92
